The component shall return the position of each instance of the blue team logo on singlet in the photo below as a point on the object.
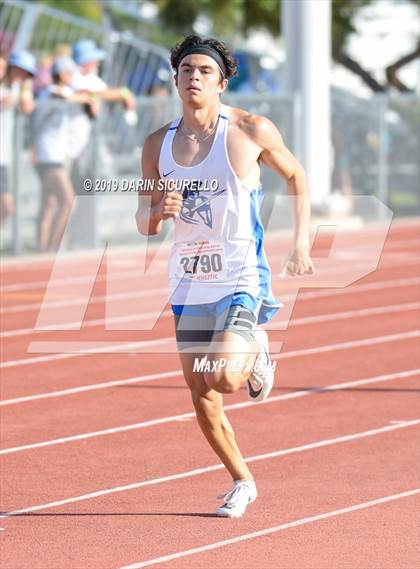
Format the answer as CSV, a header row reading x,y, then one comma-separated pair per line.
x,y
196,205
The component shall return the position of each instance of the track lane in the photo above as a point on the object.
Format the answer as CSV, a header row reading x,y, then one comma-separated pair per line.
x,y
151,451
362,536
43,420
16,347
147,523
131,528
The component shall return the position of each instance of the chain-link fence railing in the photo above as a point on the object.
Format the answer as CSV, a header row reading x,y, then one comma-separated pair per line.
x,y
140,65
375,142
375,153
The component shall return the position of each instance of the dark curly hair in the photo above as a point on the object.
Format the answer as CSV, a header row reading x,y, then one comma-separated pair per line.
x,y
196,41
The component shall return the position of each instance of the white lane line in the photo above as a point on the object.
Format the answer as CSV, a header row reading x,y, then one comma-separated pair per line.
x,y
86,323
271,242
144,315
356,288
404,243
191,415
204,470
17,287
133,347
271,530
144,293
99,348
152,291
399,229
79,348
360,313
92,387
105,385
347,345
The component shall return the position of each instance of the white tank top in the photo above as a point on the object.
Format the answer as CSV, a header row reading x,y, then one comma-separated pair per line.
x,y
217,249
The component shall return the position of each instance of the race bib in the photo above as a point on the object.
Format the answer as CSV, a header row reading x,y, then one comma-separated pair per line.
x,y
202,261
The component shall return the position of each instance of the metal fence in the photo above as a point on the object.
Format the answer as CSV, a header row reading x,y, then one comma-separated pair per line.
x,y
114,154
34,26
376,143
140,65
380,147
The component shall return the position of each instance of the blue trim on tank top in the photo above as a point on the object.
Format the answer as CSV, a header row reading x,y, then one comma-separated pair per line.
x,y
269,306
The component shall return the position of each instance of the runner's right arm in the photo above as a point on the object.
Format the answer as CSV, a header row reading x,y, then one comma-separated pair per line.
x,y
155,205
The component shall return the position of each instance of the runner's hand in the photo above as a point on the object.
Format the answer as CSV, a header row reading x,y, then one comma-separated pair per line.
x,y
298,263
169,206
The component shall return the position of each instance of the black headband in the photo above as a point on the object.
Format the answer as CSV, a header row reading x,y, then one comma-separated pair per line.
x,y
205,50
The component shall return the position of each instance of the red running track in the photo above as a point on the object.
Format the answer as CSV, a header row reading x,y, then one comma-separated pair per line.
x,y
104,466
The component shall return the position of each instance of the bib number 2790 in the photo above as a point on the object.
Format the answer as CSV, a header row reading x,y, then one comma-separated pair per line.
x,y
202,261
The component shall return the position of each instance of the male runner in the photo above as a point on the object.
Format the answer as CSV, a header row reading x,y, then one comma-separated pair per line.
x,y
218,272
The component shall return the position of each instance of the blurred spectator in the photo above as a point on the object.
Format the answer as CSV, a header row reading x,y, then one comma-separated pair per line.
x,y
54,151
150,79
88,56
15,94
3,65
62,50
43,74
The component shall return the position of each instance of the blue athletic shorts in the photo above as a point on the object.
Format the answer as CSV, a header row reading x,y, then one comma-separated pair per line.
x,y
196,324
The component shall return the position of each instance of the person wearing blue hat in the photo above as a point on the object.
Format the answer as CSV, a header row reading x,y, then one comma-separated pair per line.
x,y
87,55
15,93
24,61
86,51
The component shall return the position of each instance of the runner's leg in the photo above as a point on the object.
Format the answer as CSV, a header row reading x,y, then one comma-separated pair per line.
x,y
208,405
233,350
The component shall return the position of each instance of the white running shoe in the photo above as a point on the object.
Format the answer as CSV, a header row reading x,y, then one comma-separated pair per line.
x,y
235,502
261,380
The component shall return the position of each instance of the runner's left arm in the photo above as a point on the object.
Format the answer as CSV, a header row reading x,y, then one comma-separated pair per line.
x,y
278,157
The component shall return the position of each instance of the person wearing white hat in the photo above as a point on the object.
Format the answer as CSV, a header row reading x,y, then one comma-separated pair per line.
x,y
54,151
88,56
15,94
